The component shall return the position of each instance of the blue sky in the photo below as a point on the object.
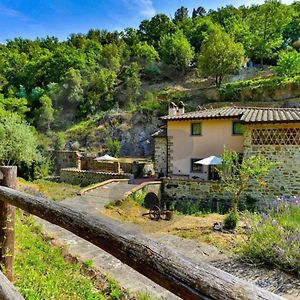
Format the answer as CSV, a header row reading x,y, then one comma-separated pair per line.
x,y
39,18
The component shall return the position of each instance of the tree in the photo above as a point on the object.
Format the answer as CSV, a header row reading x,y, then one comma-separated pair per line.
x,y
181,14
153,30
133,83
45,112
60,141
145,52
220,56
198,12
176,50
266,23
288,63
236,175
114,147
18,141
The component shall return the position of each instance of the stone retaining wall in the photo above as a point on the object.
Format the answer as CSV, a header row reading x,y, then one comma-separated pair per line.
x,y
206,195
84,178
89,163
65,159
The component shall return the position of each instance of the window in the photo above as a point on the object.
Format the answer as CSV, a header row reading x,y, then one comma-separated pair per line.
x,y
196,168
196,129
238,128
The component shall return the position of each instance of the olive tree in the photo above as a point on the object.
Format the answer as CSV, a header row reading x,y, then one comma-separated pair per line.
x,y
18,141
236,175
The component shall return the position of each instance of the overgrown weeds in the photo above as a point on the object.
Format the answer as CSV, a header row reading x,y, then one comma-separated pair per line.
x,y
273,239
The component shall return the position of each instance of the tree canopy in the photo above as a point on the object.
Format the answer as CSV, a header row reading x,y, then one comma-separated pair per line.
x,y
220,55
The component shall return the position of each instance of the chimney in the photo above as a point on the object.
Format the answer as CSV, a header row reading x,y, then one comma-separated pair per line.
x,y
173,109
181,108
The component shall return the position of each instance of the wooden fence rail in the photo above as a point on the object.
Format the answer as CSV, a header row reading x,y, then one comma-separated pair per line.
x,y
180,275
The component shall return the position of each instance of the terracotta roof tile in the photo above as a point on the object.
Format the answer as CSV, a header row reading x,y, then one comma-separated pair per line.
x,y
245,114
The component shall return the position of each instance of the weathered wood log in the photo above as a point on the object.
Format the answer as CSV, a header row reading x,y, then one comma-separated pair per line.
x,y
7,290
182,276
7,221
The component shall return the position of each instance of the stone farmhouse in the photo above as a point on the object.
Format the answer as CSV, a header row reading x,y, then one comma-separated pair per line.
x,y
187,137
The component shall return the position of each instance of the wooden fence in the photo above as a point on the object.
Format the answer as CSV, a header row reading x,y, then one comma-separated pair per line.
x,y
178,274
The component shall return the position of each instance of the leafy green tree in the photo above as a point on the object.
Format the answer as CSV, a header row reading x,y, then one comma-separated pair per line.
x,y
266,23
236,175
220,56
198,12
176,50
18,141
60,141
16,105
181,14
114,147
153,30
45,113
145,52
133,84
197,31
288,63
100,91
72,86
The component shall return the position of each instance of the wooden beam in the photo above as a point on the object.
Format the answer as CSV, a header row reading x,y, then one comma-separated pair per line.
x,y
7,290
7,222
182,276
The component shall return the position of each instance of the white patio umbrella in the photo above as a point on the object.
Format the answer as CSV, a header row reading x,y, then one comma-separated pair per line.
x,y
210,161
106,157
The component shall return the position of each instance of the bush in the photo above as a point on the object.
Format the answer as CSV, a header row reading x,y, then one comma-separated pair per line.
x,y
42,169
152,70
231,220
274,238
150,102
288,63
113,147
60,141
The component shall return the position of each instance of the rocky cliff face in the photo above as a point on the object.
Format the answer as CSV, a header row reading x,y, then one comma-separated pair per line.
x,y
133,130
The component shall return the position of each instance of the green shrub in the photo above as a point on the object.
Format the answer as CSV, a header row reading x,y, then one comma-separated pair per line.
x,y
152,70
288,63
60,141
42,169
231,220
231,91
273,239
150,102
113,147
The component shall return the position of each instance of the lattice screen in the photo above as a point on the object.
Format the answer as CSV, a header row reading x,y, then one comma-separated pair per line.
x,y
276,136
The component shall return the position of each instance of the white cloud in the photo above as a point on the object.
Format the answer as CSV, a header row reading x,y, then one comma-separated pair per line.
x,y
144,8
9,12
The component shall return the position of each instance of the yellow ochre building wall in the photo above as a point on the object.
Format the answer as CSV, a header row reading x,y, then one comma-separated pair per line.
x,y
184,146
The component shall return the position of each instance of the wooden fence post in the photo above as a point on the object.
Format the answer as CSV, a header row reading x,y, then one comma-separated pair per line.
x,y
7,223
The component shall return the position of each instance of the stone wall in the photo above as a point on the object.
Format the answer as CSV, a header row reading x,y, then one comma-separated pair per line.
x,y
84,178
89,163
284,178
64,159
160,157
206,195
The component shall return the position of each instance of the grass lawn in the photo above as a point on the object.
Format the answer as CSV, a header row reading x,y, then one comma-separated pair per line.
x,y
49,189
41,271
